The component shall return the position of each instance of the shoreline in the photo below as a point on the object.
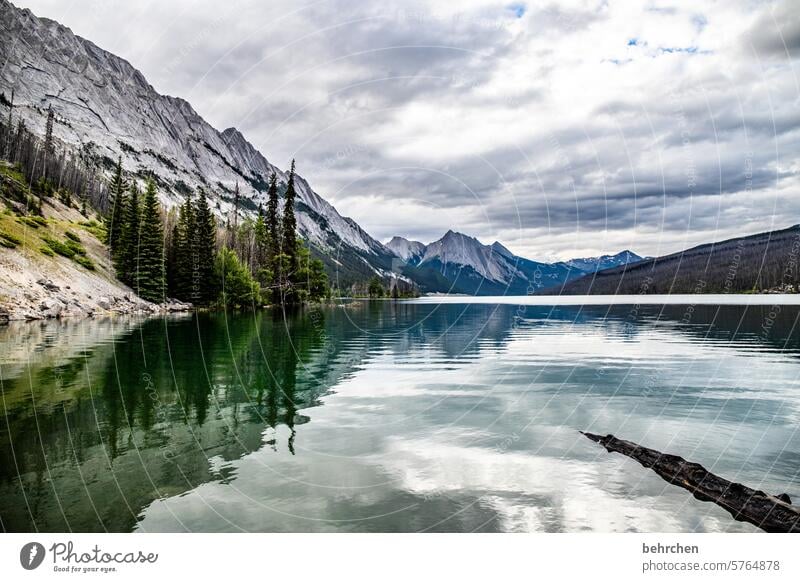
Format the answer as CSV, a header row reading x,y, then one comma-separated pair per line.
x,y
741,299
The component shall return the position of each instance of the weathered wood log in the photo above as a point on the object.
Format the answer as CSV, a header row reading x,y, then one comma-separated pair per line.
x,y
770,513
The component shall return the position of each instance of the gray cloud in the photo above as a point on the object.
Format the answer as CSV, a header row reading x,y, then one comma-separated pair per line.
x,y
562,129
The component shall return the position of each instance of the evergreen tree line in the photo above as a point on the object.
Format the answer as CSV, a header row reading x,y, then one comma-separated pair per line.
x,y
183,254
374,288
48,169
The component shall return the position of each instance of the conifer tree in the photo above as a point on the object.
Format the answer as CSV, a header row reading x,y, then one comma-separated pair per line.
x,y
171,260
185,251
261,236
287,267
114,221
273,221
289,224
150,278
128,249
203,284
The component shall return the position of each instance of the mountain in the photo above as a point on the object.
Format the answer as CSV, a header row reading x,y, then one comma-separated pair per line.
x,y
761,262
592,264
410,251
458,263
106,108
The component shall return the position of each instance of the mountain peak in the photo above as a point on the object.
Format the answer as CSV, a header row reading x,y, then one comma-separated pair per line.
x,y
592,264
498,247
408,250
452,235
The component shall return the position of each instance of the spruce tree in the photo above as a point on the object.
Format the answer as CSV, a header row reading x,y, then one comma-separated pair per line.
x,y
128,248
203,284
150,265
288,265
114,220
272,220
261,236
185,251
171,261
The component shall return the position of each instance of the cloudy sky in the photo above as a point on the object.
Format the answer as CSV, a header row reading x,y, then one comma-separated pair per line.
x,y
560,128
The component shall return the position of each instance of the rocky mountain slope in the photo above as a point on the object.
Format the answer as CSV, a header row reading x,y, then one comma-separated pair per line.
x,y
592,264
38,282
106,107
761,262
408,250
458,263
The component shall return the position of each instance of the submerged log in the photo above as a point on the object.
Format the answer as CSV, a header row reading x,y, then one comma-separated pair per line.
x,y
770,513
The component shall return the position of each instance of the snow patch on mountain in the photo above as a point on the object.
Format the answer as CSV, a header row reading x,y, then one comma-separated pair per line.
x,y
592,264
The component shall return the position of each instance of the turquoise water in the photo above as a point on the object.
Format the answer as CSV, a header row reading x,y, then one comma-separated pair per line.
x,y
383,416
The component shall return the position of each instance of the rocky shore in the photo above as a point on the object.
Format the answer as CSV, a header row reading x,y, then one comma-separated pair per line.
x,y
51,301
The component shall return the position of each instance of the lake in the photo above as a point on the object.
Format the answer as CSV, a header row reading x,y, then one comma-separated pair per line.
x,y
386,416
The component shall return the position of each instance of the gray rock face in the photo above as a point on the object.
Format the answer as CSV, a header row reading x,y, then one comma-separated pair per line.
x,y
50,308
48,284
410,251
103,104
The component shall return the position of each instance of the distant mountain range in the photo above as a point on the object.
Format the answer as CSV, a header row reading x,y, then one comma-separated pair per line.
x,y
458,263
593,264
766,261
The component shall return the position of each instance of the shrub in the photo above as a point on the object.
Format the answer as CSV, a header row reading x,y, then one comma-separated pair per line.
x,y
85,262
58,247
9,240
72,236
238,288
76,247
45,250
32,221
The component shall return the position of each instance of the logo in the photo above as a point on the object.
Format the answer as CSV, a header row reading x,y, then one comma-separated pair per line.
x,y
31,555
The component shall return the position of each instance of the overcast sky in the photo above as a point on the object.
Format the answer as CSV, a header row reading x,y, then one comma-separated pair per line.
x,y
560,128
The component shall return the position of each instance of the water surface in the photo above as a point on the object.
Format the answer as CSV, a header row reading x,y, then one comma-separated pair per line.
x,y
394,416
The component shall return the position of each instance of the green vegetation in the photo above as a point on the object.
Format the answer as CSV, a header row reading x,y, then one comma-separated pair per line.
x,y
191,254
182,254
85,262
149,275
114,219
59,247
237,286
126,251
32,221
97,229
9,241
375,287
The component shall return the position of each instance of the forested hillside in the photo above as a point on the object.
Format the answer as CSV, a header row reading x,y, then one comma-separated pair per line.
x,y
761,262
